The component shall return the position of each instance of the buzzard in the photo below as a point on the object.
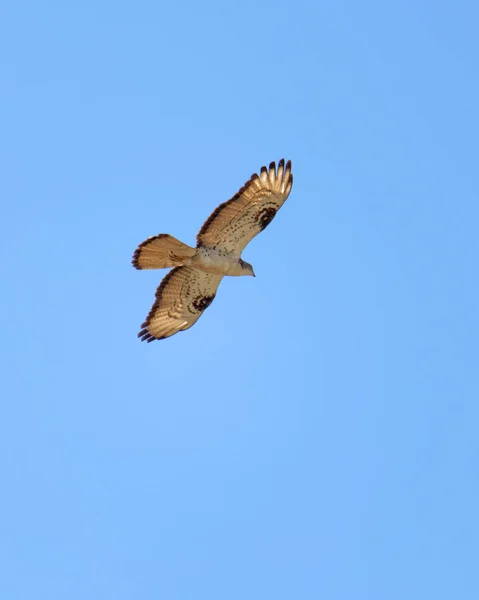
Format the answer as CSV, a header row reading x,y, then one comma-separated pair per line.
x,y
190,287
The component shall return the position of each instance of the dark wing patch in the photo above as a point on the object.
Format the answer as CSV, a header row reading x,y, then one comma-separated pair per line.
x,y
201,303
265,216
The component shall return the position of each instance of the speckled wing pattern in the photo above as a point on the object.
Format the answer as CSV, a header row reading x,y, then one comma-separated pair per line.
x,y
236,222
182,297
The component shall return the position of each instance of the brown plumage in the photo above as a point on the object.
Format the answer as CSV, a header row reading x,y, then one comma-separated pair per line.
x,y
191,286
236,222
180,300
161,252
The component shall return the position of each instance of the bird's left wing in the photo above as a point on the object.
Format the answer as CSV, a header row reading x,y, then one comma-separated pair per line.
x,y
235,222
182,297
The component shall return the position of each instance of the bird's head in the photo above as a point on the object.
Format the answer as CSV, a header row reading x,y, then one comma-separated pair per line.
x,y
246,268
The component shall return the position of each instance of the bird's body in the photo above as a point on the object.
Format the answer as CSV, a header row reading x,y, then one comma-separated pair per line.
x,y
218,262
189,288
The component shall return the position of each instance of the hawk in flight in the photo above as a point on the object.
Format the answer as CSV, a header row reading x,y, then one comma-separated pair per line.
x,y
190,287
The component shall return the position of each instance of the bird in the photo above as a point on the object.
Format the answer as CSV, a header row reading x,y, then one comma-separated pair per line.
x,y
190,287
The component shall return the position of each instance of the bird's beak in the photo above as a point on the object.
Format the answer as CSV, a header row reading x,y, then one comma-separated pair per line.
x,y
253,273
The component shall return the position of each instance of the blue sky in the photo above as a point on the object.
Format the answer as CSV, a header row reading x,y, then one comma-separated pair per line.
x,y
314,435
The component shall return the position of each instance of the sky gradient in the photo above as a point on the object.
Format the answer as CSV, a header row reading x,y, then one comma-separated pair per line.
x,y
314,435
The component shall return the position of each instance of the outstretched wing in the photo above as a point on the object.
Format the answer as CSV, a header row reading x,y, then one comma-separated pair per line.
x,y
181,299
235,223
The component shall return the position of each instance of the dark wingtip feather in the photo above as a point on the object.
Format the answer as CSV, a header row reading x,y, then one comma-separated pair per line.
x,y
146,336
272,166
134,260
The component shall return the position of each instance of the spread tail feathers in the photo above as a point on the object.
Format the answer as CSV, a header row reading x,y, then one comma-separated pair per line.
x,y
161,252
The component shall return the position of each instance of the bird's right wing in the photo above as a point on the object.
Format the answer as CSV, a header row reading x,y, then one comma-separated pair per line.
x,y
182,297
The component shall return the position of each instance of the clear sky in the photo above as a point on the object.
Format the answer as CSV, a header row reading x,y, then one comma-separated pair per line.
x,y
315,434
